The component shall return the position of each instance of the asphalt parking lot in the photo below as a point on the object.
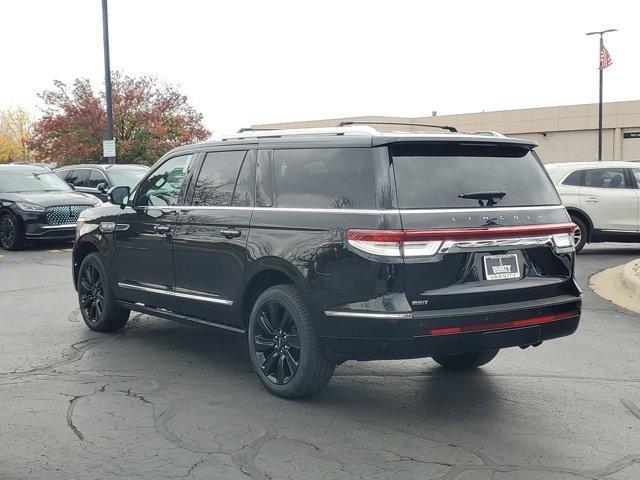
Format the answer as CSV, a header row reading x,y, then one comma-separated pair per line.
x,y
164,400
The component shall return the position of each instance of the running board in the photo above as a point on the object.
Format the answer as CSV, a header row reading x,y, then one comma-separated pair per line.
x,y
176,317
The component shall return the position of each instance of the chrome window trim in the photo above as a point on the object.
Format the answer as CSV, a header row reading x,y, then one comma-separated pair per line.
x,y
396,316
173,293
361,211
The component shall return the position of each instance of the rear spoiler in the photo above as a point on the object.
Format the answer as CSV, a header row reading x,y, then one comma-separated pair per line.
x,y
452,139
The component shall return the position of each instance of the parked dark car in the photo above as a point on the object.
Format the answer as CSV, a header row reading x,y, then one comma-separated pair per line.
x,y
335,244
98,179
35,203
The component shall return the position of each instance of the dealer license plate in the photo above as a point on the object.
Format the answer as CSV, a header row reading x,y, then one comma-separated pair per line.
x,y
501,267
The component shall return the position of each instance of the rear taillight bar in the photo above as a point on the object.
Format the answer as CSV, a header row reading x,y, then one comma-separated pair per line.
x,y
524,322
396,243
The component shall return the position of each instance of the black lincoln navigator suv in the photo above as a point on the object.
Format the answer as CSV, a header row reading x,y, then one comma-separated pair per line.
x,y
325,245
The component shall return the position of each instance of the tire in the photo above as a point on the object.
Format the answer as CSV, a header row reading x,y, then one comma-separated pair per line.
x,y
96,299
466,360
10,233
583,232
280,334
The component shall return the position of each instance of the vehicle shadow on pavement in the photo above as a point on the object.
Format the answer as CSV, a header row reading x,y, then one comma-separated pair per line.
x,y
170,350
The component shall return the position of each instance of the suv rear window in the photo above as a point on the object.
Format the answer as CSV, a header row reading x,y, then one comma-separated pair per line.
x,y
433,176
324,178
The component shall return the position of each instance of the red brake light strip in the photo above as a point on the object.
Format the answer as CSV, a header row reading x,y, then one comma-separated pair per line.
x,y
503,325
471,233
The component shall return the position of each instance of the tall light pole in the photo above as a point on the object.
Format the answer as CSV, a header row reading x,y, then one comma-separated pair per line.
x,y
107,77
601,68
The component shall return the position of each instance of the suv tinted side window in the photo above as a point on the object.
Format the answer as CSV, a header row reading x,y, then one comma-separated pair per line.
x,y
79,177
573,178
324,178
221,182
95,178
164,185
604,178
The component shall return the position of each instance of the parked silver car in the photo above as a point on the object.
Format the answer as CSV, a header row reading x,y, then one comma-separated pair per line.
x,y
602,199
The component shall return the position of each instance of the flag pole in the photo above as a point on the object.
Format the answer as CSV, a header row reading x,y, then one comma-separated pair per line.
x,y
601,68
600,105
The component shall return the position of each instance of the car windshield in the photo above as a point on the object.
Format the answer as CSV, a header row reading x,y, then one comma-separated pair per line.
x,y
127,178
26,181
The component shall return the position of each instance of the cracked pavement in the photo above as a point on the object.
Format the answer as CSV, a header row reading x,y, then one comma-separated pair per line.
x,y
163,400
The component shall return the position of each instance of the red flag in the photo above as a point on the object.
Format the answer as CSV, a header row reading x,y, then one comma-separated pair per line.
x,y
605,58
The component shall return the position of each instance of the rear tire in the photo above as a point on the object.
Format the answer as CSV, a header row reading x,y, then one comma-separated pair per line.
x,y
97,302
466,360
10,233
283,345
581,233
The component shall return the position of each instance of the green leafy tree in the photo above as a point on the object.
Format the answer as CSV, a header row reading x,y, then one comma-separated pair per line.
x,y
150,118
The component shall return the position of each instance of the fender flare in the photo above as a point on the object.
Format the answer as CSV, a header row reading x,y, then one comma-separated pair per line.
x,y
581,213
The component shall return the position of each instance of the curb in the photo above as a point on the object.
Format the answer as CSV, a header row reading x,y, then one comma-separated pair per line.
x,y
620,285
630,277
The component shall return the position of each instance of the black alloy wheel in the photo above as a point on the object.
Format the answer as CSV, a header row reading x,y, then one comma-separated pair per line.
x,y
98,305
91,292
9,235
285,350
276,343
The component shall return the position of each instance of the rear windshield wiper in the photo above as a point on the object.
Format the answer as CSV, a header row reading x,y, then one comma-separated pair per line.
x,y
488,197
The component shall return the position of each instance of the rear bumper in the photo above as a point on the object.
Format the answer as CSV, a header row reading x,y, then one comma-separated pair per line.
x,y
425,334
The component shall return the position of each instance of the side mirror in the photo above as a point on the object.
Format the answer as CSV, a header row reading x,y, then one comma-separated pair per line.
x,y
102,187
119,196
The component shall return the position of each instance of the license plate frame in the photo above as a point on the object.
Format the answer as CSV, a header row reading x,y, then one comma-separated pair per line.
x,y
501,267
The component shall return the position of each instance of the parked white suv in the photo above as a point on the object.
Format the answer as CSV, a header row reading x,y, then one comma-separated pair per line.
x,y
601,197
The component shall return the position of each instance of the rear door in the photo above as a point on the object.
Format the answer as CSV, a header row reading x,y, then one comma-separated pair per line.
x,y
478,215
211,236
608,197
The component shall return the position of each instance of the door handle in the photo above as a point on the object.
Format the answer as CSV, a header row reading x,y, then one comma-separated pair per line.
x,y
230,233
592,200
163,229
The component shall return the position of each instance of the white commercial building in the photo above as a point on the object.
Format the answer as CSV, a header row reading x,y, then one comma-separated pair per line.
x,y
564,134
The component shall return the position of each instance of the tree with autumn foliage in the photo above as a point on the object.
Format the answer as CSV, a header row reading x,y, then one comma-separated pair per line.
x,y
150,118
15,129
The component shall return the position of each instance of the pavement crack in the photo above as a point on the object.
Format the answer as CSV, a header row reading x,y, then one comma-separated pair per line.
x,y
194,466
71,408
76,431
618,465
245,458
632,407
408,458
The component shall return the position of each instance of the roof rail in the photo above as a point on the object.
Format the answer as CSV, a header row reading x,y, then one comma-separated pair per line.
x,y
254,129
488,133
444,127
266,133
